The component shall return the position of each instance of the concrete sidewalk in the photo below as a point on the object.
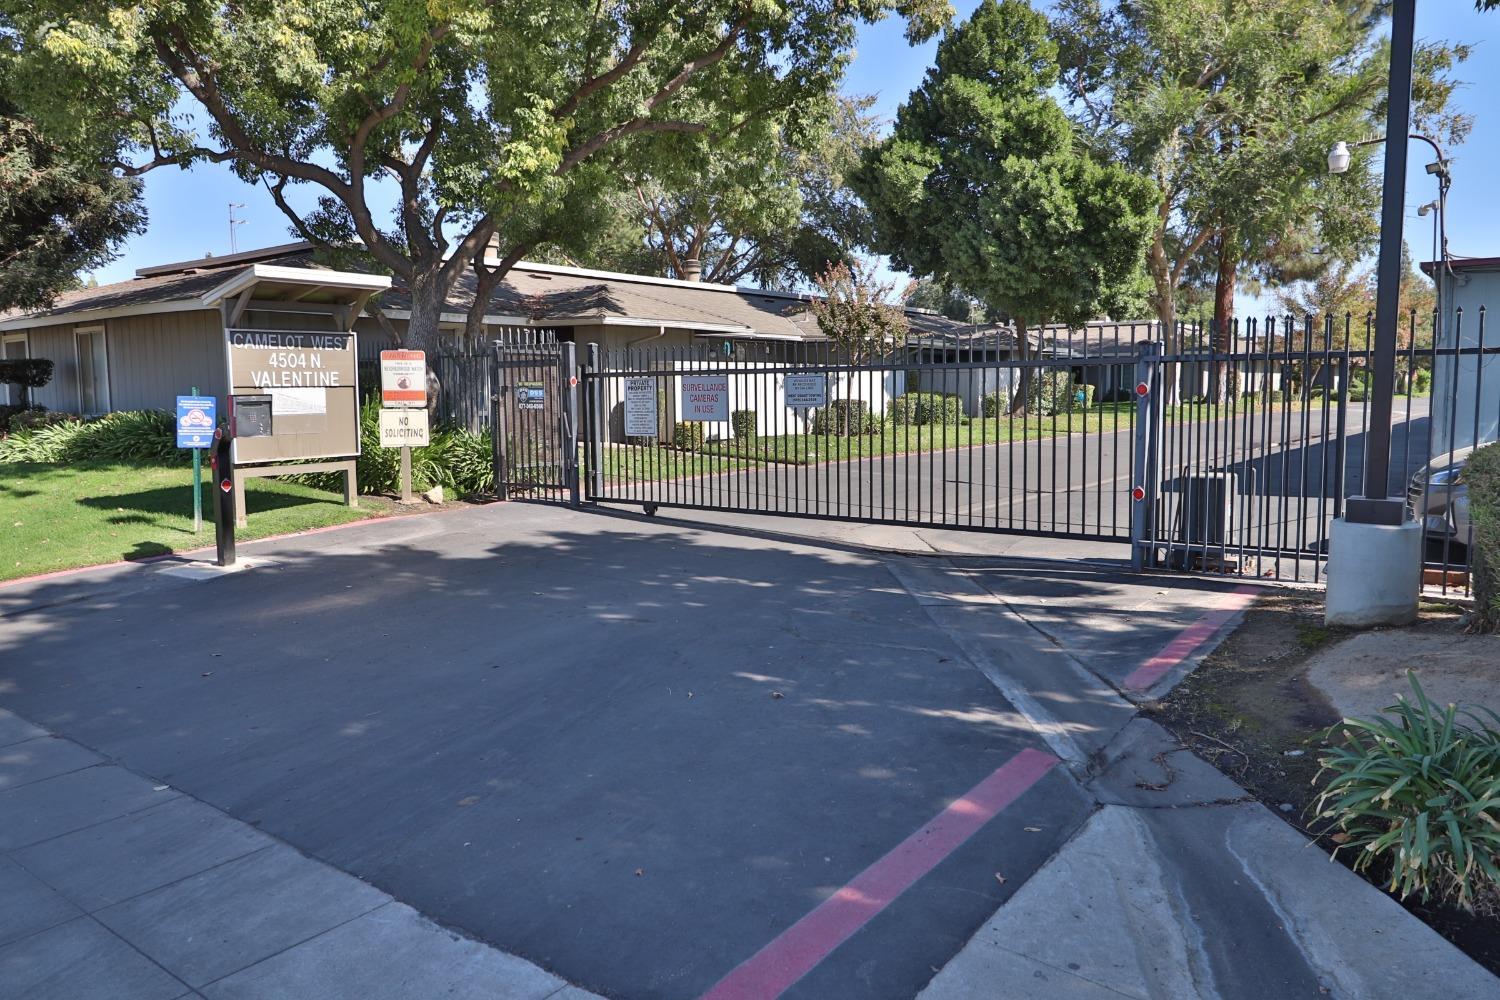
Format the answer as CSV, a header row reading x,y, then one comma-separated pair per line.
x,y
115,885
1183,887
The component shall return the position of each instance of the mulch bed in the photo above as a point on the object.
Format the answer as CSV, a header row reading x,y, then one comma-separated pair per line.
x,y
1250,710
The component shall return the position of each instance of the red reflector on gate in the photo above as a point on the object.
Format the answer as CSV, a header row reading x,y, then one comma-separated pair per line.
x,y
572,381
1139,493
225,485
1142,388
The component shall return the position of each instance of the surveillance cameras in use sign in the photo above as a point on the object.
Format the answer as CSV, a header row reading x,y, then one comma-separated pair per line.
x,y
403,379
705,397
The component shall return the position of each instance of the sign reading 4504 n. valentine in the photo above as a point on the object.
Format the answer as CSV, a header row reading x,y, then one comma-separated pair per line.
x,y
705,397
288,359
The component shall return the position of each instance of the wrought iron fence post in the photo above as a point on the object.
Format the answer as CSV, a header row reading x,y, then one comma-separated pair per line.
x,y
568,362
500,457
1147,435
595,419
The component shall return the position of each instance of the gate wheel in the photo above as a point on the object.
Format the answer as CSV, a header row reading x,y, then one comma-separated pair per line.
x,y
650,509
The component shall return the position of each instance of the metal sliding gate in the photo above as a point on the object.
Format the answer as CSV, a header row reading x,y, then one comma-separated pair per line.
x,y
927,438
1214,455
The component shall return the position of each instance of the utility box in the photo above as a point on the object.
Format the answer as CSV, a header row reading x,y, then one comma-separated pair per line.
x,y
1203,517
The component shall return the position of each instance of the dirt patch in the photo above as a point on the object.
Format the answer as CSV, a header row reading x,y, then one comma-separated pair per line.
x,y
1251,710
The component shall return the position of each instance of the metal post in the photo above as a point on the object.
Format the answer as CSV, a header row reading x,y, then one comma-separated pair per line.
x,y
568,360
197,485
405,474
1376,506
596,423
1143,487
497,427
224,507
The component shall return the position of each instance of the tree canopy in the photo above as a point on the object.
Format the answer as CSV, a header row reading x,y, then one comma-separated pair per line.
x,y
983,185
429,130
766,204
60,214
1232,109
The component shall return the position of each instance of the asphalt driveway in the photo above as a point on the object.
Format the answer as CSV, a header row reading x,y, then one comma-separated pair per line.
x,y
635,754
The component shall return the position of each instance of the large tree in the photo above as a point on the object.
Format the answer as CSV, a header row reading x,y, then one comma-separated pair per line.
x,y
60,214
983,185
1232,109
767,204
429,130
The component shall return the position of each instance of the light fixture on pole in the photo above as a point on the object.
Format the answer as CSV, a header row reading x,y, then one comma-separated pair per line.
x,y
1338,158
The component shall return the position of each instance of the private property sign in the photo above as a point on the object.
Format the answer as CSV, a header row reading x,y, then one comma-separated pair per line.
x,y
403,428
705,397
403,379
640,407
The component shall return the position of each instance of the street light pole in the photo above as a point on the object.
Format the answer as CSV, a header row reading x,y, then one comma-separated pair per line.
x,y
1377,506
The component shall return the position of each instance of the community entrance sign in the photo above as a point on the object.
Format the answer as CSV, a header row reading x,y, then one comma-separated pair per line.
x,y
301,394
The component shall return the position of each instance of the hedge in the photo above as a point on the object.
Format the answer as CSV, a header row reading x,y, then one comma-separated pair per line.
x,y
743,423
127,436
1049,391
1482,473
845,418
458,460
926,408
995,404
687,435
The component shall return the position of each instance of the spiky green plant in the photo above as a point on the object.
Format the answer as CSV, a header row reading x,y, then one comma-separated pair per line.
x,y
1417,791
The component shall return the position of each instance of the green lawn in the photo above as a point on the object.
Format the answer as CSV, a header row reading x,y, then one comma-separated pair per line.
x,y
898,439
642,463
61,516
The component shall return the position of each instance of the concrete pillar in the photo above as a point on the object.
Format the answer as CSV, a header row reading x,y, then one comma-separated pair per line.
x,y
1374,574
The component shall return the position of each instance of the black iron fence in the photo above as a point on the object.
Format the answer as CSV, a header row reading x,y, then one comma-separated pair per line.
x,y
1235,460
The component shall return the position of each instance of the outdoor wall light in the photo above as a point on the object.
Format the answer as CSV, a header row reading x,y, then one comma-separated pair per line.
x,y
1338,158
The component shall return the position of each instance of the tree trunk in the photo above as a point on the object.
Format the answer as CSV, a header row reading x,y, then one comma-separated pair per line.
x,y
1166,315
1223,338
422,329
1023,348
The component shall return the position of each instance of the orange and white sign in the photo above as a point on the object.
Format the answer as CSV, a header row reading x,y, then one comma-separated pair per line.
x,y
403,379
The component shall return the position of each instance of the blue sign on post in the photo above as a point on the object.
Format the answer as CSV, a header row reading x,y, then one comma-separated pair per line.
x,y
196,419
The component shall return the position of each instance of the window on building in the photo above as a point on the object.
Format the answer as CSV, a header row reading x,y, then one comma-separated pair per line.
x,y
12,347
93,370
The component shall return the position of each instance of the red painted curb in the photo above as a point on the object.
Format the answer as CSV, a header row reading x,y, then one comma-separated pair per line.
x,y
1189,639
800,948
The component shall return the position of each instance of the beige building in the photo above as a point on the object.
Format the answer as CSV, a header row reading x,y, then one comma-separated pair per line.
x,y
137,344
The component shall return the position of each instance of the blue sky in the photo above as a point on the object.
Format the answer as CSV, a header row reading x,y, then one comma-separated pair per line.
x,y
189,209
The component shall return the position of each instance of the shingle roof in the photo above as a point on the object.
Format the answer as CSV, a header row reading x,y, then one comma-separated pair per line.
x,y
541,293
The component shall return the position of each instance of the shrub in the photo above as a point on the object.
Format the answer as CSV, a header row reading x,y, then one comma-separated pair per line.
x,y
127,436
1482,473
926,408
1050,391
1411,791
995,404
27,373
1421,381
845,418
687,435
459,460
743,423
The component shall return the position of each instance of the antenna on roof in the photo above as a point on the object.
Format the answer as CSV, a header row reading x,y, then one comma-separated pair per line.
x,y
234,244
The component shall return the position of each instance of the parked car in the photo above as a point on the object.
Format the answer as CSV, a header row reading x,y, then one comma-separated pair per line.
x,y
1438,497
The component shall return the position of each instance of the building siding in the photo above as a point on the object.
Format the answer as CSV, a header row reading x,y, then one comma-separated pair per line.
x,y
154,359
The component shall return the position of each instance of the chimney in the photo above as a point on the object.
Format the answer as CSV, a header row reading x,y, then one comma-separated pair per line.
x,y
692,270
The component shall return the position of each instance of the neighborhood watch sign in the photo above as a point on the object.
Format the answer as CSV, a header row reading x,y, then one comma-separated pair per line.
x,y
288,360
